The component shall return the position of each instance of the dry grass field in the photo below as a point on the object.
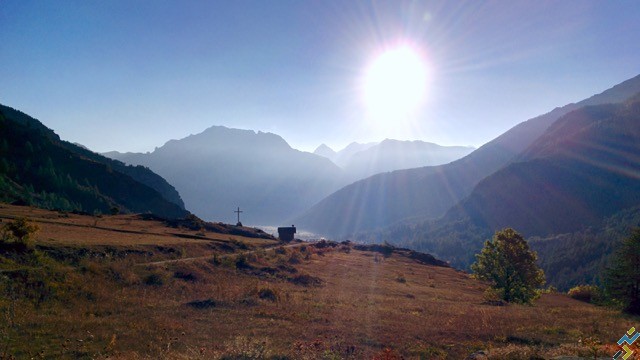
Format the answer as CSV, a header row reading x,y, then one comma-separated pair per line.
x,y
106,290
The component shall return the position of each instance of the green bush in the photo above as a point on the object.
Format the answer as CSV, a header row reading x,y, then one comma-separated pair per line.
x,y
586,293
18,235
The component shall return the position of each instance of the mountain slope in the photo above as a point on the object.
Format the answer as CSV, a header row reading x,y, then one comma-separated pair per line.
x,y
221,168
363,160
583,170
342,157
38,168
429,192
390,155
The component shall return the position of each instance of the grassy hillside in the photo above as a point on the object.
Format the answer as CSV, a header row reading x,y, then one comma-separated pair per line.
x,y
128,288
38,168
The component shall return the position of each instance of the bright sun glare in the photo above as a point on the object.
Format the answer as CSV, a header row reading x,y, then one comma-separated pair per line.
x,y
395,83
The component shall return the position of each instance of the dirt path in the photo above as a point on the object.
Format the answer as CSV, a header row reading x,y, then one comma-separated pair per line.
x,y
89,226
223,256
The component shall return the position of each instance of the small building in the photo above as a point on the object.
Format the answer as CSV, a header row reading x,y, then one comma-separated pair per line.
x,y
285,234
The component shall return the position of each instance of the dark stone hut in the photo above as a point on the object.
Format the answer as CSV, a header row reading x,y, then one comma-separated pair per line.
x,y
286,233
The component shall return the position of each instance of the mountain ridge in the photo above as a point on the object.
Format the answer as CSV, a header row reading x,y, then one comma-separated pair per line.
x,y
580,177
222,168
428,192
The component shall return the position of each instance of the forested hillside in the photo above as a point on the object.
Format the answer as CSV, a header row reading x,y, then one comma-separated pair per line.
x,y
573,190
37,168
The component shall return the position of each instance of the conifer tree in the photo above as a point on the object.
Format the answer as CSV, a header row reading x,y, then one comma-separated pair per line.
x,y
622,280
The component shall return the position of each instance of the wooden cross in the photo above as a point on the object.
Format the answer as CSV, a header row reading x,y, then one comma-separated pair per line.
x,y
238,212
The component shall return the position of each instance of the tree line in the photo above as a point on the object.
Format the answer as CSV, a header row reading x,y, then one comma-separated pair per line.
x,y
510,267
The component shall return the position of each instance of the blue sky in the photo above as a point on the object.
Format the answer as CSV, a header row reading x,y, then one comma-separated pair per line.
x,y
130,75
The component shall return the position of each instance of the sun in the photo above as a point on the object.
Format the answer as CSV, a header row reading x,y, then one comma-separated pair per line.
x,y
395,83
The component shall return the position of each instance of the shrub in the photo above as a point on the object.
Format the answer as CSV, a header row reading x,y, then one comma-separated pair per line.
x,y
586,293
185,275
239,244
242,262
19,235
306,280
267,294
202,304
295,258
154,279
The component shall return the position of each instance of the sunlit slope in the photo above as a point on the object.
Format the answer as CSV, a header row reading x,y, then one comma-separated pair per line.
x,y
429,192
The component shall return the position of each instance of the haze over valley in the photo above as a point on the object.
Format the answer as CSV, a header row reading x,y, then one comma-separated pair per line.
x,y
222,168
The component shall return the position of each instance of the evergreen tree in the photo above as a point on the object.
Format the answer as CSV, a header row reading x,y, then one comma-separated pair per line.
x,y
622,280
508,264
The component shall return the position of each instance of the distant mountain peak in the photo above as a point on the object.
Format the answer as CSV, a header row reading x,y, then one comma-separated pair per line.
x,y
221,137
325,151
324,147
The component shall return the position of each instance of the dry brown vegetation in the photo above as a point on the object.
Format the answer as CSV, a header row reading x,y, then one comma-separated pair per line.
x,y
107,291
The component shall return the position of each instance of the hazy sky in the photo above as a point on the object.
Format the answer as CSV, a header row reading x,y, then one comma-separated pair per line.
x,y
130,75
